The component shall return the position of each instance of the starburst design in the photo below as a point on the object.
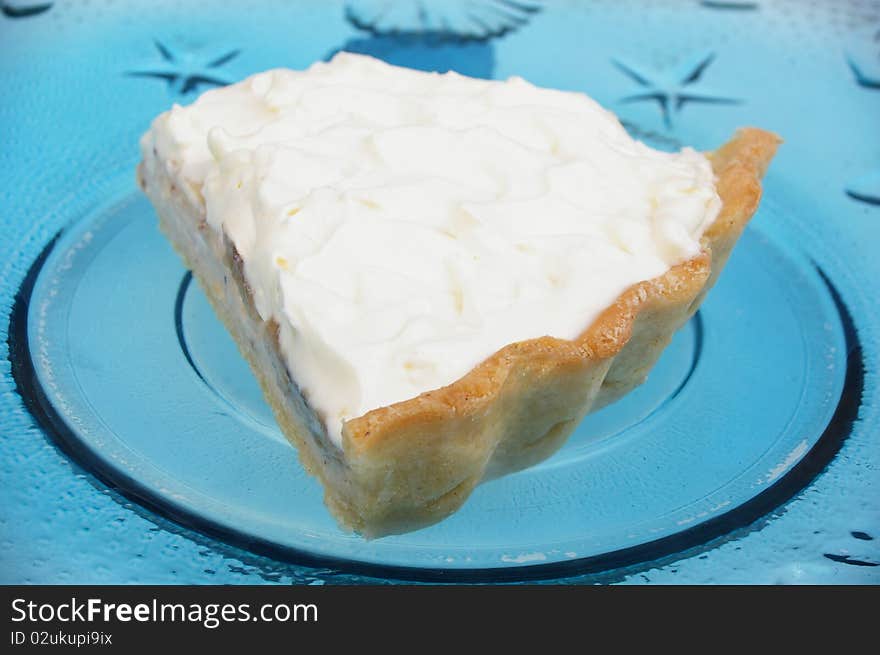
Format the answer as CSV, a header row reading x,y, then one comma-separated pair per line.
x,y
864,78
447,19
864,61
23,8
662,141
866,187
186,71
673,88
730,4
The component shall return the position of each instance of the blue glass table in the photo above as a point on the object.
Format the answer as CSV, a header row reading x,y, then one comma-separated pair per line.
x,y
136,448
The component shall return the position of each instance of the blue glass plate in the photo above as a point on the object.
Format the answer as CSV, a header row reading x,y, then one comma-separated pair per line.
x,y
750,444
143,379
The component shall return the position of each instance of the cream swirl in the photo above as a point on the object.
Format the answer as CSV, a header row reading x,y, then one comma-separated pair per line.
x,y
402,226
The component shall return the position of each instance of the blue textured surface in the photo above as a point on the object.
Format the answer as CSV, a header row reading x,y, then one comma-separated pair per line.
x,y
88,77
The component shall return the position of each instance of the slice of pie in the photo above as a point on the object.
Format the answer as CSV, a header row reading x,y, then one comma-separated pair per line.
x,y
434,277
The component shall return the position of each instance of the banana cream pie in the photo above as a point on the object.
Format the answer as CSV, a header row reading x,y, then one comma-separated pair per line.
x,y
435,277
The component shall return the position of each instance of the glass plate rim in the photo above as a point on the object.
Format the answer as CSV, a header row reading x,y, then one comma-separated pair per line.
x,y
770,499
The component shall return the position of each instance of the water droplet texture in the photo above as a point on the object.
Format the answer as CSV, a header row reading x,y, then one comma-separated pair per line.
x,y
785,60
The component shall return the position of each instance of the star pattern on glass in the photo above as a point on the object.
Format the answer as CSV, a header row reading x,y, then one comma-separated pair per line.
x,y
864,61
186,71
675,87
730,4
661,141
866,187
23,8
452,19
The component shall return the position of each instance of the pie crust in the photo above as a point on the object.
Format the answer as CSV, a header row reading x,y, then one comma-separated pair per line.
x,y
413,463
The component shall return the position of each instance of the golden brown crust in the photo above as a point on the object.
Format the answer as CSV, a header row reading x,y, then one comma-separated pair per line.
x,y
412,463
520,404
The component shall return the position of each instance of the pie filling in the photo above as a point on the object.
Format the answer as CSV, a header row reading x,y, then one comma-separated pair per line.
x,y
402,226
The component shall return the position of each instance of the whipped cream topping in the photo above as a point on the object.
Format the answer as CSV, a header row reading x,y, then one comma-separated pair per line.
x,y
402,226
